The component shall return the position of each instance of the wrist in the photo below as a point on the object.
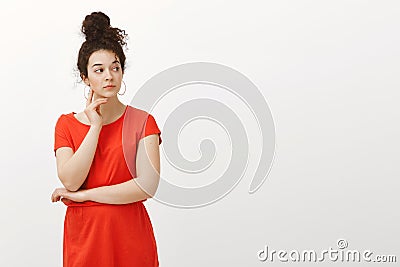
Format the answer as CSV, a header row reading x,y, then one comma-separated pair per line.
x,y
86,194
96,128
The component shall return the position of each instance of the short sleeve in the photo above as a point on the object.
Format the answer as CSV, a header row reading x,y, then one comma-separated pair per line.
x,y
61,136
152,128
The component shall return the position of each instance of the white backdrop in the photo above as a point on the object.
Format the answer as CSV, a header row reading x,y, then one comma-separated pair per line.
x,y
328,69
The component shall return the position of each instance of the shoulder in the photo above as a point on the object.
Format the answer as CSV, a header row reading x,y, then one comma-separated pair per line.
x,y
135,110
64,118
139,118
140,112
80,116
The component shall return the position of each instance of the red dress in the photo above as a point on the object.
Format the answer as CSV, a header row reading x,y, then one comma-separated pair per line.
x,y
107,235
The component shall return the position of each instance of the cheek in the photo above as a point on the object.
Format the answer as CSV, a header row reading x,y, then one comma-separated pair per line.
x,y
118,75
94,80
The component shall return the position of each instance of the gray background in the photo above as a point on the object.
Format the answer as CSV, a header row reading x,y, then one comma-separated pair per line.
x,y
328,69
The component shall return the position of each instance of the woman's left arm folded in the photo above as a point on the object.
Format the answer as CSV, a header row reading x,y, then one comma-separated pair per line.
x,y
142,187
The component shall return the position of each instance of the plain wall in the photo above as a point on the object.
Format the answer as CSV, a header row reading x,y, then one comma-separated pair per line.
x,y
328,69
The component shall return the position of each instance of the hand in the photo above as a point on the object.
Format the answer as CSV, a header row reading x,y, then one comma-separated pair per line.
x,y
92,110
78,196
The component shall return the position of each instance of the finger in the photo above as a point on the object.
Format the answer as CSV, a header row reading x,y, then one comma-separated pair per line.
x,y
57,193
89,100
99,100
97,103
55,198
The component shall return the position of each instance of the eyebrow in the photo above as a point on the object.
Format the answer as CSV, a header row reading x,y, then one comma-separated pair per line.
x,y
99,64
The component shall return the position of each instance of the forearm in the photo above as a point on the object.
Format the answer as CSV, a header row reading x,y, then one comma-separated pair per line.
x,y
123,193
142,187
74,172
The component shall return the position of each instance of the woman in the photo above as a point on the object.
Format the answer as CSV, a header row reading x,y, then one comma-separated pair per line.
x,y
108,161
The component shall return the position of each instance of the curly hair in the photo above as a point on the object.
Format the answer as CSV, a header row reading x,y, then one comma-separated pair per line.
x,y
100,36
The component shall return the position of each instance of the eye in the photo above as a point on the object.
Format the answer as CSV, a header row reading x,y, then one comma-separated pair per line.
x,y
116,68
98,69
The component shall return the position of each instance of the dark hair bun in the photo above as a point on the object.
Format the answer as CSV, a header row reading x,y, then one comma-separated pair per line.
x,y
96,27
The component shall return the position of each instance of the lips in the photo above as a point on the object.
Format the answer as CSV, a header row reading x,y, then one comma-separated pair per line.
x,y
109,86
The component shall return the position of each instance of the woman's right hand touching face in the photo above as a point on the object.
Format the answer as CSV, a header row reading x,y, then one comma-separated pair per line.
x,y
92,110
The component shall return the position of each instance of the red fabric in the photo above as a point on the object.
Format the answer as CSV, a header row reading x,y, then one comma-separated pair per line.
x,y
105,235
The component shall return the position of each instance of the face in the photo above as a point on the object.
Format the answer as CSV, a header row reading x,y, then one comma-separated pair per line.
x,y
104,69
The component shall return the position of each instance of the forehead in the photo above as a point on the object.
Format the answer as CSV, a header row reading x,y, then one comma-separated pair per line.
x,y
102,57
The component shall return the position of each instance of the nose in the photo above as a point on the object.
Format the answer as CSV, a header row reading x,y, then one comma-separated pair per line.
x,y
108,75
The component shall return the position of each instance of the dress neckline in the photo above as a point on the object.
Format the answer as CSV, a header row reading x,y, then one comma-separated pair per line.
x,y
122,116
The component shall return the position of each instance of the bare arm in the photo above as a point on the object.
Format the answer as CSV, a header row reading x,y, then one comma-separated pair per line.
x,y
73,168
142,187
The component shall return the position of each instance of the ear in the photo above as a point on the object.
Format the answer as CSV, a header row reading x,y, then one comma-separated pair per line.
x,y
85,79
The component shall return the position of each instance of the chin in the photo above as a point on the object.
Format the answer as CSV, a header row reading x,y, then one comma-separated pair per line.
x,y
108,94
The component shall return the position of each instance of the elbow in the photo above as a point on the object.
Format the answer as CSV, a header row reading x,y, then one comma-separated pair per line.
x,y
67,183
148,195
152,193
152,190
69,186
72,188
148,186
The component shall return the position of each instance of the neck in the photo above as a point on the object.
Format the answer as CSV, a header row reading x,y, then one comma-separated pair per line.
x,y
112,109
